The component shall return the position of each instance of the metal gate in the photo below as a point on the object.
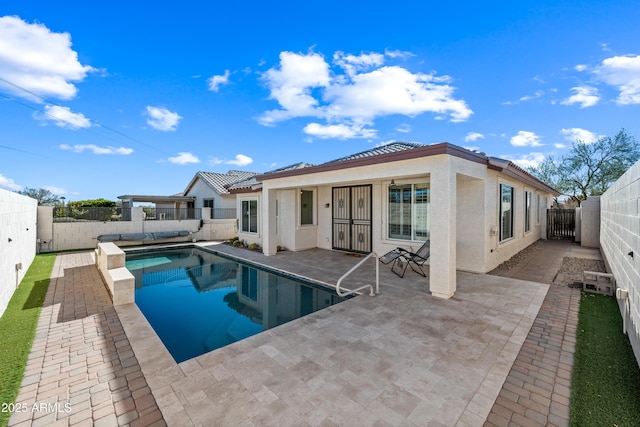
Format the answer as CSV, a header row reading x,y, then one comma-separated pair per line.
x,y
561,224
352,218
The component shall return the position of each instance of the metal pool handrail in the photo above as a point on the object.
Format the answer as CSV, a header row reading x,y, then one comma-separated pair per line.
x,y
371,292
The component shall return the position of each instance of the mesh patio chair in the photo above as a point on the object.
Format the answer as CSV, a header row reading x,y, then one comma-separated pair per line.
x,y
401,258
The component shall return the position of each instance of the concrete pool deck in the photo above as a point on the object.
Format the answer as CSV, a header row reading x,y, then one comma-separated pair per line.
x,y
400,358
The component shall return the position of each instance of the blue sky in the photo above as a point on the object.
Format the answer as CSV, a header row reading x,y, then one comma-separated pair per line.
x,y
100,100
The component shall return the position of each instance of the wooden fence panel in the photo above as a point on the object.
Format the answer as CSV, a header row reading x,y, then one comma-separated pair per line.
x,y
561,224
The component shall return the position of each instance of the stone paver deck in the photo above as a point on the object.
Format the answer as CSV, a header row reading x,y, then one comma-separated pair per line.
x,y
401,358
81,370
537,390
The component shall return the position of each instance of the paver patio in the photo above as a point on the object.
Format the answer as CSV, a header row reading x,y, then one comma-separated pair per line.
x,y
401,358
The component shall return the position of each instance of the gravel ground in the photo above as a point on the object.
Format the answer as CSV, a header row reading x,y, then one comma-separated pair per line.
x,y
514,260
570,272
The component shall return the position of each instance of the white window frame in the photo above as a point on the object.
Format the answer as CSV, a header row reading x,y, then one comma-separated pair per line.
x,y
413,214
528,210
246,213
501,211
313,207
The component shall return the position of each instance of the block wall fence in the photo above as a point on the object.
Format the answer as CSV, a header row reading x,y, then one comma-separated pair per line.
x,y
18,218
620,245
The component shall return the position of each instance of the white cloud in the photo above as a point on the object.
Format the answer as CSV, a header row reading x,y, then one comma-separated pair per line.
x,y
9,184
304,85
574,134
473,136
215,82
471,148
586,96
38,60
525,139
58,191
536,95
559,146
291,86
622,72
398,54
240,160
339,131
580,67
79,148
351,64
527,160
184,158
404,128
605,47
162,119
63,117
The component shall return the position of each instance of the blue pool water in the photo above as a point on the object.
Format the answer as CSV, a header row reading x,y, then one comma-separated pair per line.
x,y
197,301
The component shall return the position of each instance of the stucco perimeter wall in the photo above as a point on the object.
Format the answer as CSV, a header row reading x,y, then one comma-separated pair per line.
x,y
18,217
620,237
589,222
62,236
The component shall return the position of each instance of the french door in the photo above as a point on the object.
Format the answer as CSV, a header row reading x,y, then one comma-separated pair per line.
x,y
352,218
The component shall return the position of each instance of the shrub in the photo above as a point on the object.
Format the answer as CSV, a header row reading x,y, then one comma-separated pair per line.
x,y
253,247
238,244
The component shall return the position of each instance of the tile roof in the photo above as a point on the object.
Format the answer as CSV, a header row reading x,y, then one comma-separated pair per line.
x,y
394,147
253,182
220,181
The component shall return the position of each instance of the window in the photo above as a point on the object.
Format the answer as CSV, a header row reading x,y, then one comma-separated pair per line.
x,y
527,211
409,206
250,283
208,203
306,207
506,212
250,216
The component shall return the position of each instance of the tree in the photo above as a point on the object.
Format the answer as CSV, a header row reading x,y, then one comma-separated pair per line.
x,y
589,169
43,196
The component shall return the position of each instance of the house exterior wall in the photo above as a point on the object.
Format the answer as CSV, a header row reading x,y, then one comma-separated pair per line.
x,y
18,228
620,236
496,251
476,218
201,191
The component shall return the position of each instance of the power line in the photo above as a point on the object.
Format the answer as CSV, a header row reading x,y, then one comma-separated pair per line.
x,y
93,122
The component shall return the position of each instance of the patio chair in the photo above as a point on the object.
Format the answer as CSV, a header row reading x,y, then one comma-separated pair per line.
x,y
402,258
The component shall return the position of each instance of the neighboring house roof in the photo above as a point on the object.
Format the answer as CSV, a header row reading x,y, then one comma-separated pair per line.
x,y
155,199
252,184
219,181
408,150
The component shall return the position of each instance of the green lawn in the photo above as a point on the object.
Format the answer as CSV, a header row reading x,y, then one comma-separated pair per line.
x,y
18,326
605,389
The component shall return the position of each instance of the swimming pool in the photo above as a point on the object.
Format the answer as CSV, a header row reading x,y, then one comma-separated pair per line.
x,y
197,301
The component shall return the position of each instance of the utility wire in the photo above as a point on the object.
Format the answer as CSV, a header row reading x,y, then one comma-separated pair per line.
x,y
93,122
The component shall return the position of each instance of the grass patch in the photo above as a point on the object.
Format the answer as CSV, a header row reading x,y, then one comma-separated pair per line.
x,y
18,327
605,388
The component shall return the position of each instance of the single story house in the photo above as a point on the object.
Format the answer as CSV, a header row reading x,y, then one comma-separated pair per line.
x,y
209,189
477,211
205,190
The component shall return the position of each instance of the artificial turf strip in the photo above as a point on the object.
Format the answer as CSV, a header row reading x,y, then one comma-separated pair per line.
x,y
605,387
18,327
